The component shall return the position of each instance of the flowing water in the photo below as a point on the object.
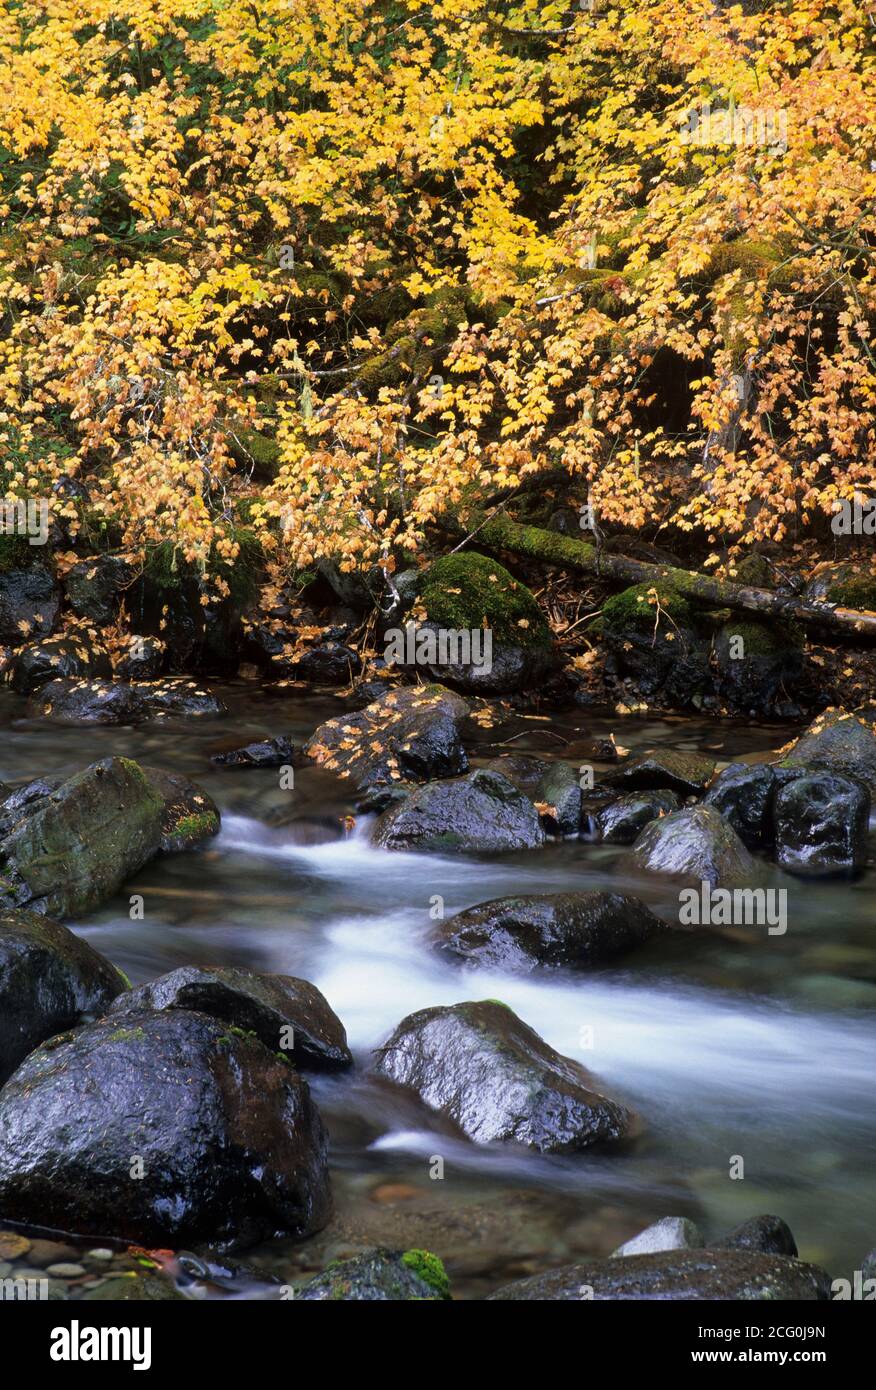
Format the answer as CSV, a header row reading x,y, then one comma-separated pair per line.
x,y
731,1044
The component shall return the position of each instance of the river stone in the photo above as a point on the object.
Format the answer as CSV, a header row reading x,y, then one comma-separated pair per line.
x,y
179,699
686,773
23,800
143,661
83,841
670,1233
481,812
332,663
408,735
233,1149
558,800
751,675
575,930
742,793
88,702
483,1068
696,843
523,770
839,742
768,1234
49,981
267,1005
190,816
30,602
63,656
380,1276
622,821
680,1275
268,752
821,824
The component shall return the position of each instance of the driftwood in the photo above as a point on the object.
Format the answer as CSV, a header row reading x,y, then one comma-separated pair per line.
x,y
500,533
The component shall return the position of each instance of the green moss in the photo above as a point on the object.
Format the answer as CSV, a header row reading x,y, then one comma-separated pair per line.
x,y
16,553
127,1035
252,448
632,609
126,981
468,590
755,570
855,593
764,639
430,1269
197,826
756,258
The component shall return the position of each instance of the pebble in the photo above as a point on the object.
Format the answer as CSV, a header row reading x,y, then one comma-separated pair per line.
x,y
101,1253
12,1245
66,1271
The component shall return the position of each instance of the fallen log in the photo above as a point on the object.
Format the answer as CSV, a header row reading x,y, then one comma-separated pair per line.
x,y
550,548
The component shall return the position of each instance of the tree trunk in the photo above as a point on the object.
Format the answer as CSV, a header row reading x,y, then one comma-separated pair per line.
x,y
500,533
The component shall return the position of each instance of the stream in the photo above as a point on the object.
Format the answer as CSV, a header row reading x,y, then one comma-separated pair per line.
x,y
729,1043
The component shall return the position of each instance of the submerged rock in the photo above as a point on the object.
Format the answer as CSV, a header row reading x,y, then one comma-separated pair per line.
x,y
58,657
189,817
89,702
839,742
696,843
481,812
484,1069
622,821
680,1275
821,824
165,1129
268,752
286,1014
575,930
408,735
81,842
768,1234
49,981
381,1276
686,773
670,1233
742,793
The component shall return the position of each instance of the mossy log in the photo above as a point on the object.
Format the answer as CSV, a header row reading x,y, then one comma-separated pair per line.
x,y
500,533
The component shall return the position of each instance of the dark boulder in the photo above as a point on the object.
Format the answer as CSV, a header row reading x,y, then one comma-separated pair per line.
x,y
268,752
821,823
480,812
523,770
79,844
755,661
696,843
165,1129
622,820
286,1014
768,1234
332,663
95,587
408,735
143,661
179,699
655,637
680,1275
558,800
839,742
23,800
88,702
574,930
49,981
686,773
189,817
30,602
485,1070
742,793
57,657
380,1276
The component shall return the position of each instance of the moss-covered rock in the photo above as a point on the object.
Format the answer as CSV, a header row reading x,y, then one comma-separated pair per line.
x,y
190,816
657,637
380,1276
756,661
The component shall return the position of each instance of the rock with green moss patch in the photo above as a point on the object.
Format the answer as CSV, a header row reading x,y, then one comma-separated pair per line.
x,y
675,769
656,637
50,980
189,817
756,661
380,1276
81,842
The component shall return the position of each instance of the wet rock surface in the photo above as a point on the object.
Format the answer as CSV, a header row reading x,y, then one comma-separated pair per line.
x,y
821,824
685,773
479,812
381,1276
698,844
623,820
743,795
189,817
62,657
409,734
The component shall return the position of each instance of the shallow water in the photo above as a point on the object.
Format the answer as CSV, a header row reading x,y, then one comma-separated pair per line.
x,y
728,1043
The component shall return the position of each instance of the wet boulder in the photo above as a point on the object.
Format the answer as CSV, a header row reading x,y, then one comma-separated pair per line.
x,y
286,1014
571,930
838,742
688,774
523,770
654,636
821,823
481,812
670,1233
23,800
143,660
49,980
267,752
768,1234
331,663
742,793
79,844
30,602
189,817
95,587
475,627
179,699
621,822
482,1068
408,735
677,1274
558,800
696,843
162,1128
755,660
63,656
88,702
380,1276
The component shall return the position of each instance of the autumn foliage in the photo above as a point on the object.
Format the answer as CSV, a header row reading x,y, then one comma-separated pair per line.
x,y
331,269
